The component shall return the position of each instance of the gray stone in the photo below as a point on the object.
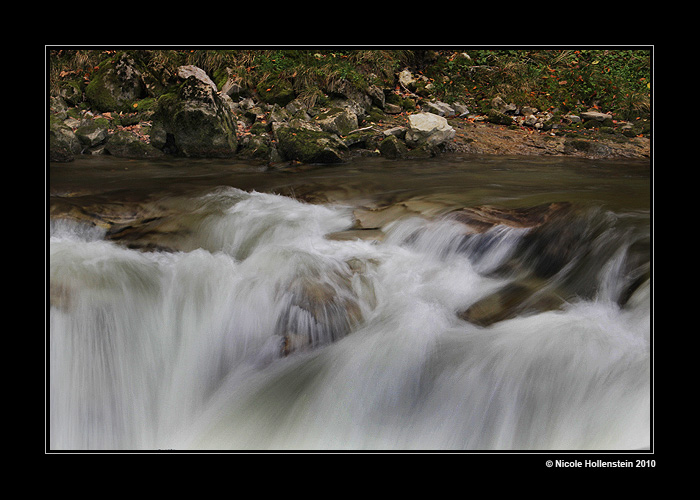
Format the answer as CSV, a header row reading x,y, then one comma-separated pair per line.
x,y
377,96
399,132
338,121
91,134
595,115
460,109
118,84
198,121
406,78
440,108
124,144
428,128
185,72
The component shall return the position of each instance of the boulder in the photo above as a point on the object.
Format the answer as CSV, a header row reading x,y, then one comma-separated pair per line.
x,y
392,147
377,96
91,133
63,143
308,143
482,218
514,299
119,83
339,121
196,122
392,109
349,96
428,129
185,72
124,144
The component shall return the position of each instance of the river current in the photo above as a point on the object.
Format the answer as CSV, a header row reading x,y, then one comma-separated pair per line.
x,y
249,310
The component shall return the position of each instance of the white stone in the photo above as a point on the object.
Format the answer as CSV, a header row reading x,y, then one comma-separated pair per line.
x,y
428,128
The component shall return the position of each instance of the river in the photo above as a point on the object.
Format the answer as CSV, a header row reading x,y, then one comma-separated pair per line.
x,y
323,307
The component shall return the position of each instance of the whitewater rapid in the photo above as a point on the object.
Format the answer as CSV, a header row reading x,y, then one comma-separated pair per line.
x,y
265,334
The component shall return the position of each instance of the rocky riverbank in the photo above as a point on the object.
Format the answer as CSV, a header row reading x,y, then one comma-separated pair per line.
x,y
124,112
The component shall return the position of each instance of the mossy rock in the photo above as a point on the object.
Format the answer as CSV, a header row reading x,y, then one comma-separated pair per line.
x,y
498,118
124,144
63,143
278,92
92,133
196,121
120,82
256,147
392,147
71,91
308,144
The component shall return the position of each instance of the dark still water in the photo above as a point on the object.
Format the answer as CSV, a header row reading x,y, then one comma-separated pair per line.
x,y
215,305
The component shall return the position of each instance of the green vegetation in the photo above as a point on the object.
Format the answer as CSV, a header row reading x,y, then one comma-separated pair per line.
x,y
614,80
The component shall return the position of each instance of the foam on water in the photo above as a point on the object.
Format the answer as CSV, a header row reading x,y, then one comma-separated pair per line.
x,y
155,350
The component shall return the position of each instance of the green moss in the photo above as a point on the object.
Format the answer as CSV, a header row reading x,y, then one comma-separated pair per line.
x,y
375,115
309,146
499,118
119,83
276,91
258,128
407,104
220,77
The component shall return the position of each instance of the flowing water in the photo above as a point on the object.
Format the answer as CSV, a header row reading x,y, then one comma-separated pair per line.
x,y
251,313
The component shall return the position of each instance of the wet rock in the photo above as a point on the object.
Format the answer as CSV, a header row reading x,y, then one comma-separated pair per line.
x,y
322,307
482,218
514,299
357,234
379,217
589,148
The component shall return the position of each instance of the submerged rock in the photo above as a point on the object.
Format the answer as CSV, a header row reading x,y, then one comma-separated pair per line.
x,y
484,217
514,299
322,305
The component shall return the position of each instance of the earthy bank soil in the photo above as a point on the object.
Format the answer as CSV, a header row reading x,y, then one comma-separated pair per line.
x,y
481,137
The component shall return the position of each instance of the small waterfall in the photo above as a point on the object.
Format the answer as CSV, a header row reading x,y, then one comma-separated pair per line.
x,y
261,333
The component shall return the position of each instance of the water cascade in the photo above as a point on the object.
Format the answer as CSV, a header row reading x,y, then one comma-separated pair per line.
x,y
259,332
